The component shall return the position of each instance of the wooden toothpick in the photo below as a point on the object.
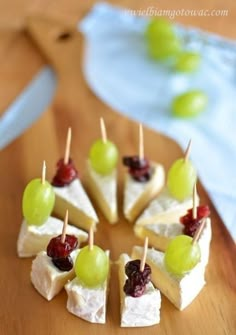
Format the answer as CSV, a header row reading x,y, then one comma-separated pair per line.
x,y
194,201
43,173
63,235
199,231
67,150
91,238
187,152
103,130
143,260
141,144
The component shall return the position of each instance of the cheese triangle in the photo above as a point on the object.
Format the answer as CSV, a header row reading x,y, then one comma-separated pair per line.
x,y
137,195
160,235
165,209
141,311
181,291
33,239
74,198
104,192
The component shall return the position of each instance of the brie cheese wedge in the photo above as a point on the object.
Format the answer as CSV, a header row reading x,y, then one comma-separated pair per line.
x,y
165,209
87,303
137,195
160,235
181,291
33,239
104,192
141,311
74,198
47,279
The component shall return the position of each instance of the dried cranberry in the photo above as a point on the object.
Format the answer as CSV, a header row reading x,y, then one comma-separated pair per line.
x,y
133,267
65,174
134,291
64,263
190,224
134,162
57,249
137,280
141,175
139,169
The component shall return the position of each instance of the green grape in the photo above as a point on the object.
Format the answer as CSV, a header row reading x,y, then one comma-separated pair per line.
x,y
92,266
162,48
162,41
103,156
188,61
159,27
189,104
181,255
181,179
38,202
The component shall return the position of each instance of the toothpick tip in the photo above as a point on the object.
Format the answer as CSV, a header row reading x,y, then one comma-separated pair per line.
x,y
63,235
141,142
187,152
68,145
103,130
143,260
195,200
43,172
91,238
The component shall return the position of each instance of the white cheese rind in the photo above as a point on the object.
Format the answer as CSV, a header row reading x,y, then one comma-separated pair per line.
x,y
181,291
47,279
74,198
137,195
33,239
165,209
104,191
87,303
160,235
141,311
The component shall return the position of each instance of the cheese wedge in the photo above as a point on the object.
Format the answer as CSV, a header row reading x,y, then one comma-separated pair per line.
x,y
74,198
160,235
87,303
104,192
33,239
141,311
165,209
181,291
47,279
137,195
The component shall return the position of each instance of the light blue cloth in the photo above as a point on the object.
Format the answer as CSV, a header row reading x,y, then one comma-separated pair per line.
x,y
119,71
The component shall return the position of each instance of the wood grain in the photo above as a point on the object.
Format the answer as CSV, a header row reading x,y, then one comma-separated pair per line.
x,y
22,309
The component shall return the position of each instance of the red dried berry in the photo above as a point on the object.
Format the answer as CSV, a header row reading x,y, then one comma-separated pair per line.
x,y
63,264
191,225
139,169
57,249
134,162
133,290
65,173
191,228
137,280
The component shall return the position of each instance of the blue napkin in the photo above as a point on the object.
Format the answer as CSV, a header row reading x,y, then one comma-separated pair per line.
x,y
119,71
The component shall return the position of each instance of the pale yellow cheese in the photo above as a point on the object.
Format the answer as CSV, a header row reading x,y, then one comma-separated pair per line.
x,y
137,195
33,239
74,198
104,191
165,209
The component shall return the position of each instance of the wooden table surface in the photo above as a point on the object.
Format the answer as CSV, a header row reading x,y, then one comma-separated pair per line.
x,y
22,310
